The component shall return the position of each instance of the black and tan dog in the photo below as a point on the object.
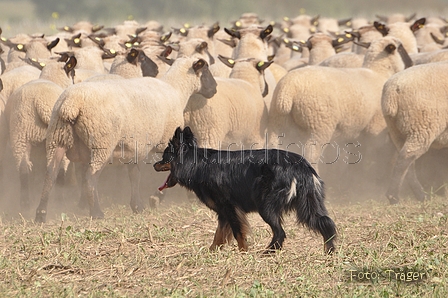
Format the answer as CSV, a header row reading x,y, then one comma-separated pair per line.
x,y
232,183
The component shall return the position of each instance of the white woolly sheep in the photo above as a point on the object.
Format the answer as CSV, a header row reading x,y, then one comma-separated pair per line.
x,y
94,122
237,113
318,103
414,103
16,77
28,114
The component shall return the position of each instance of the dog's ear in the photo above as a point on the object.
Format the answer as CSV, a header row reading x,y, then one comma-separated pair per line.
x,y
189,138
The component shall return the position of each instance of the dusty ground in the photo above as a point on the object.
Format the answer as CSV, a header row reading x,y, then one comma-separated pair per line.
x,y
163,252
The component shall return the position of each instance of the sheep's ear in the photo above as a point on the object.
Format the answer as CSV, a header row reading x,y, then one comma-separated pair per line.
x,y
19,47
140,30
52,44
183,32
215,28
167,51
66,29
405,56
131,57
233,33
345,22
75,41
70,65
355,34
1,83
166,60
149,68
437,39
390,48
262,65
97,40
35,63
230,42
362,44
342,39
382,28
64,56
198,65
201,47
271,58
315,20
227,61
97,28
108,54
420,23
268,30
166,37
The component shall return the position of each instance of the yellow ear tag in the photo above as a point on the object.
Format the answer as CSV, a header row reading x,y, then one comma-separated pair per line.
x,y
186,25
272,23
286,30
295,48
66,28
97,38
348,35
76,40
4,39
260,64
182,30
128,44
34,59
231,61
136,43
69,65
42,64
340,39
348,23
238,24
112,51
285,19
312,30
20,46
286,40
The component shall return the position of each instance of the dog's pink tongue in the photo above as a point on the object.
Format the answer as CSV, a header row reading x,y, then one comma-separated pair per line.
x,y
165,184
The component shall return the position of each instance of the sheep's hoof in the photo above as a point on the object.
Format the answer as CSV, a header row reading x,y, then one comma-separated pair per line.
x,y
392,200
154,202
97,214
41,216
137,207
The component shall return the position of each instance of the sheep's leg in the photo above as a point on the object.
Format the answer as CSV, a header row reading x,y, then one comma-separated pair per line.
x,y
50,177
91,192
24,174
223,234
404,161
415,185
81,168
134,176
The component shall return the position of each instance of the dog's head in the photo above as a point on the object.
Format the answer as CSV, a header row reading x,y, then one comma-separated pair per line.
x,y
182,141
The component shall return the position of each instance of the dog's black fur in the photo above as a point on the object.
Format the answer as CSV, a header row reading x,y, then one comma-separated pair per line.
x,y
233,183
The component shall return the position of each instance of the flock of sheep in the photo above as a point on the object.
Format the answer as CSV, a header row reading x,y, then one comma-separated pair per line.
x,y
92,96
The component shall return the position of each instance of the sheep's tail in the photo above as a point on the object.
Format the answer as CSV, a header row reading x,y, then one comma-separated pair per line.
x,y
310,208
282,97
389,103
61,133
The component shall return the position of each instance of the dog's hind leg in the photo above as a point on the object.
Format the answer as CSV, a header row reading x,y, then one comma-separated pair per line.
x,y
273,219
223,234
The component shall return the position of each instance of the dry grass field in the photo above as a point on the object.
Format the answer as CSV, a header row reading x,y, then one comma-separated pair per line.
x,y
383,251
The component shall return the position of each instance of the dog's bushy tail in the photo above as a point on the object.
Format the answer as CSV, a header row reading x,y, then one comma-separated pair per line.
x,y
311,211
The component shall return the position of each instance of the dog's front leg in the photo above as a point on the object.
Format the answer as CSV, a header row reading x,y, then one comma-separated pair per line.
x,y
223,235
